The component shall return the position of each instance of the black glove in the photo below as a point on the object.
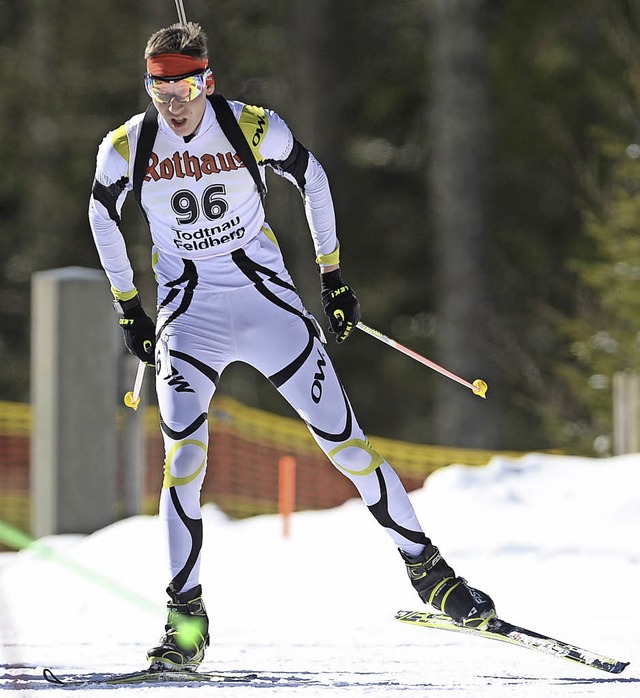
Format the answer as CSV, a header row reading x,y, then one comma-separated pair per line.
x,y
138,328
340,305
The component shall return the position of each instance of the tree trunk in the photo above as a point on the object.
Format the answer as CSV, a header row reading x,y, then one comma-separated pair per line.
x,y
42,130
311,66
460,135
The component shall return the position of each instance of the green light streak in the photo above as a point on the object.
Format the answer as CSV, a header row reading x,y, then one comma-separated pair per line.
x,y
19,540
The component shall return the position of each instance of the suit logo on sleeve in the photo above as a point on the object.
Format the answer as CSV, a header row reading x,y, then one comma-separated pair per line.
x,y
259,132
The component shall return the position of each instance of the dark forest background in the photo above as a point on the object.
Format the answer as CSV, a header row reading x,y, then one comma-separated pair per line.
x,y
483,159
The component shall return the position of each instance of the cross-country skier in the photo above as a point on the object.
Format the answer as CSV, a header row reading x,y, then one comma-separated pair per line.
x,y
223,295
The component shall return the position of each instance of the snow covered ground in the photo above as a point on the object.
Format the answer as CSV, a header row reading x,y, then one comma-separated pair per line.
x,y
554,540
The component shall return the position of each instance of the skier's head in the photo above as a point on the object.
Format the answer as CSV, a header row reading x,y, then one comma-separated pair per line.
x,y
187,39
178,76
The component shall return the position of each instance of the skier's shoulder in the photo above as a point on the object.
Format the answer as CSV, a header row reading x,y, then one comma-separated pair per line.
x,y
115,151
266,132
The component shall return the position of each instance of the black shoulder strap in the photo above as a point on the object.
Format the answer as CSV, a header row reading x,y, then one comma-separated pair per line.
x,y
146,140
233,132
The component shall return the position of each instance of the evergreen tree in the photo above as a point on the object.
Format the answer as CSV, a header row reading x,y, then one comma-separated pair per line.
x,y
558,75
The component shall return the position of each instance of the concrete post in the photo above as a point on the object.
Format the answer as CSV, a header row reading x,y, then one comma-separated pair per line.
x,y
626,412
74,356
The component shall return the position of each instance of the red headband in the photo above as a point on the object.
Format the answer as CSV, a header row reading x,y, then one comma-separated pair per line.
x,y
170,64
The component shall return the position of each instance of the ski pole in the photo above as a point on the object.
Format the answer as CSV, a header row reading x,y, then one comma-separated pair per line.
x,y
182,17
478,387
132,398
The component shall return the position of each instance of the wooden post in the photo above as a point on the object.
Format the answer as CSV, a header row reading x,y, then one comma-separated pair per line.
x,y
286,491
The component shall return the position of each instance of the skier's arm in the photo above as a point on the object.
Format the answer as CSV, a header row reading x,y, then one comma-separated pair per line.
x,y
290,159
274,145
303,169
110,187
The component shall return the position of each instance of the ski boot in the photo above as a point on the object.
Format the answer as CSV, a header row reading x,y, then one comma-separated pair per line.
x,y
437,584
186,635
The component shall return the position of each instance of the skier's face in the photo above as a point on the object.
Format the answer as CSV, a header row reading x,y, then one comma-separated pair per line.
x,y
184,117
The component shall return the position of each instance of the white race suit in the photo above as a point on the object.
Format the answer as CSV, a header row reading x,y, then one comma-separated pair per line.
x,y
224,295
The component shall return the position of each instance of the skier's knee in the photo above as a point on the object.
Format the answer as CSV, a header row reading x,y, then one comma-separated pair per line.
x,y
185,461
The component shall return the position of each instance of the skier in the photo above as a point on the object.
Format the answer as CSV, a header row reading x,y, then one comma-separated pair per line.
x,y
224,295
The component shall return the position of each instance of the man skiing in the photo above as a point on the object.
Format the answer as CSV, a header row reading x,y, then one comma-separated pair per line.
x,y
224,295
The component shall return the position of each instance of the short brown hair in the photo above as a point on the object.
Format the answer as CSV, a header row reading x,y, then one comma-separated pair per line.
x,y
188,39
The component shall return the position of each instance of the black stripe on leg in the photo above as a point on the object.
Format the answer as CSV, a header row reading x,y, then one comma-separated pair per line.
x,y
380,511
187,431
194,526
205,369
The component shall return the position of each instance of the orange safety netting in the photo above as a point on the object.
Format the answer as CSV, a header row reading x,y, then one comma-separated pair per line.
x,y
245,447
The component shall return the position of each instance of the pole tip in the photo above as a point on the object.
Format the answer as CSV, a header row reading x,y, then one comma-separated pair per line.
x,y
130,402
480,388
